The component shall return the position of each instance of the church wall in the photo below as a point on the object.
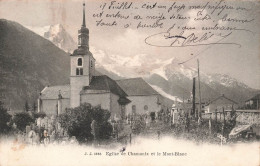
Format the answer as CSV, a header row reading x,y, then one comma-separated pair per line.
x,y
115,107
65,104
76,85
49,106
140,102
96,99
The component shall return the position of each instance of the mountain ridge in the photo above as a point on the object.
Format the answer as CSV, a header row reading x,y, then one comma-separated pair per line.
x,y
29,62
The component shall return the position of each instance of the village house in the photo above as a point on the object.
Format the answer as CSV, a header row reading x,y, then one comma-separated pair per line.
x,y
220,103
253,103
120,97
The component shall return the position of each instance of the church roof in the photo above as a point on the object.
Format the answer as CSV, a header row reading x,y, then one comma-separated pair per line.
x,y
136,87
52,92
105,83
81,51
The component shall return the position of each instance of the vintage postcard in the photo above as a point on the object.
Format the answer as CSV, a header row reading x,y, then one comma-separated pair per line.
x,y
129,82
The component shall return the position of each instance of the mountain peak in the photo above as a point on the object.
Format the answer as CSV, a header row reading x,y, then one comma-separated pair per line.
x,y
55,29
58,35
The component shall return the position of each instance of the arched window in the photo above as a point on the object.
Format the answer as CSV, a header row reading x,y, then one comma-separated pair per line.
x,y
146,107
79,61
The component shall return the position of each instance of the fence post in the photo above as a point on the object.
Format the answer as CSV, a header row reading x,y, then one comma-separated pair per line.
x,y
216,115
130,139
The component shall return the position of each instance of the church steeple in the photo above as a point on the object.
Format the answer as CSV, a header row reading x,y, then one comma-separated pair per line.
x,y
84,21
82,64
83,36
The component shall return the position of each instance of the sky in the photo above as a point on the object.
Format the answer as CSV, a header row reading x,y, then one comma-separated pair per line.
x,y
241,61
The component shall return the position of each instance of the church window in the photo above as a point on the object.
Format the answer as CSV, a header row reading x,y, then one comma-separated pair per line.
x,y
79,61
91,63
79,71
145,107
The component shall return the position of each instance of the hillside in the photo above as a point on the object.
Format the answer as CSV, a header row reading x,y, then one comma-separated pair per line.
x,y
28,62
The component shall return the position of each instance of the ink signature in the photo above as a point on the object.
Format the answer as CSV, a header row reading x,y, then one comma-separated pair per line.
x,y
166,39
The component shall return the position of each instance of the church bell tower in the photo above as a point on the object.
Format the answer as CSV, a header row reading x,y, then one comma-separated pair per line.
x,y
82,65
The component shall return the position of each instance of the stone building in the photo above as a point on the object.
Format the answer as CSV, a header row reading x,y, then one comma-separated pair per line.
x,y
87,87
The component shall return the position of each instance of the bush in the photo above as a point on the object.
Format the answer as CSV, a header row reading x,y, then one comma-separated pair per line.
x,y
106,130
4,119
22,119
77,122
138,125
38,115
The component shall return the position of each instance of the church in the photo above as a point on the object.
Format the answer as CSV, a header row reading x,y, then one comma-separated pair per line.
x,y
120,97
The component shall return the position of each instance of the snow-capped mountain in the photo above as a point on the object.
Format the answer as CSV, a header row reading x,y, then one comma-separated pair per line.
x,y
172,77
57,35
144,65
225,80
165,75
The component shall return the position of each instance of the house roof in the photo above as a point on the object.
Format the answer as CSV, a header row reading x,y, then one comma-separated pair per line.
x,y
136,87
256,97
52,92
223,99
105,83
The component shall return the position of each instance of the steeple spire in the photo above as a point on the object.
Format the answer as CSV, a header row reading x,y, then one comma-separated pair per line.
x,y
83,36
84,22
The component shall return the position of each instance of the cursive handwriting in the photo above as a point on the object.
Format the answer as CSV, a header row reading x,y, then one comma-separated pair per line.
x,y
166,39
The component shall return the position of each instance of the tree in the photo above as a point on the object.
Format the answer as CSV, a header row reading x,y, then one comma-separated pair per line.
x,y
101,117
34,107
37,115
106,130
22,119
4,119
26,106
77,122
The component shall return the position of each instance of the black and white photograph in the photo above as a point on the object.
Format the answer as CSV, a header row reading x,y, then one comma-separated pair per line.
x,y
129,82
